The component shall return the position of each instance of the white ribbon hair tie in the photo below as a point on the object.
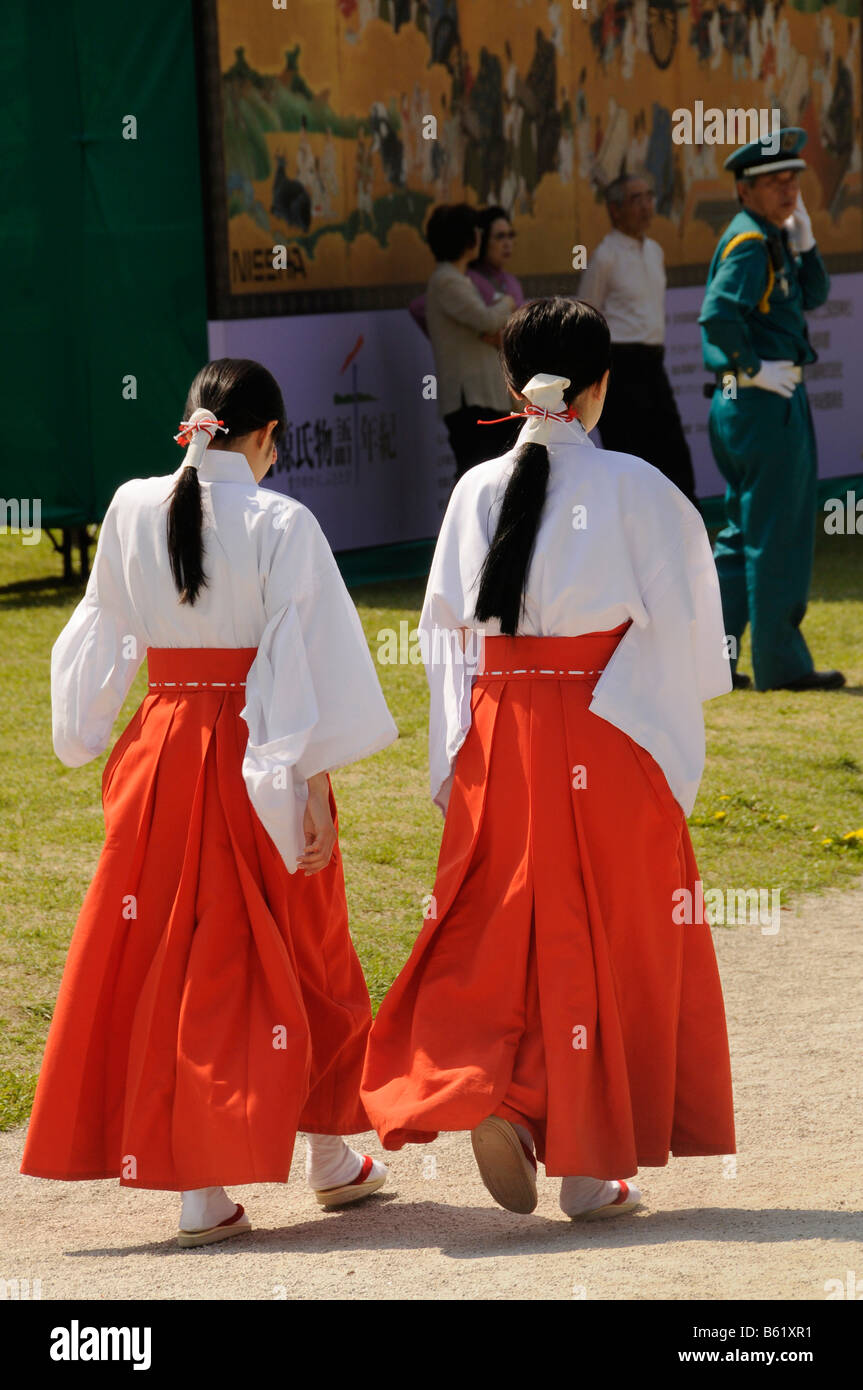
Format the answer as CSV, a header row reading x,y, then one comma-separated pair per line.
x,y
198,433
545,393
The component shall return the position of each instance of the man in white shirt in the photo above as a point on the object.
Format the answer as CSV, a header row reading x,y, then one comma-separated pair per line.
x,y
625,280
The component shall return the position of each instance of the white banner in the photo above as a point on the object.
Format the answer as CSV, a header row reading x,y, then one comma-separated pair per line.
x,y
367,452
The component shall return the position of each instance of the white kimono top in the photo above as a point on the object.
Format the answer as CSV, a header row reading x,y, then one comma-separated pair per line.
x,y
313,699
637,550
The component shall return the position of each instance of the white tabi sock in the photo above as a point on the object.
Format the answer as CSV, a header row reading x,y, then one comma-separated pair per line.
x,y
583,1194
205,1207
330,1162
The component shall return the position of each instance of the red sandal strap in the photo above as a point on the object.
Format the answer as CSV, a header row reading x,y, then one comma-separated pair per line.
x,y
363,1173
622,1195
231,1220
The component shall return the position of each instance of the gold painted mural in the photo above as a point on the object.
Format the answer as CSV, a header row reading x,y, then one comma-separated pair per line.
x,y
534,104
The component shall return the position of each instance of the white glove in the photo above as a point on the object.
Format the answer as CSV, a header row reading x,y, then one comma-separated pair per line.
x,y
776,376
799,228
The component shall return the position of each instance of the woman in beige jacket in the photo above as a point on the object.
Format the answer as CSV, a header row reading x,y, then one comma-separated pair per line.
x,y
463,330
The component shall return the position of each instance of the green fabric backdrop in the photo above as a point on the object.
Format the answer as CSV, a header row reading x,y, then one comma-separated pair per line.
x,y
102,270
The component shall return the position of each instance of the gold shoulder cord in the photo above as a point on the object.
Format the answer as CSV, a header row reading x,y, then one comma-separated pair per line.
x,y
764,302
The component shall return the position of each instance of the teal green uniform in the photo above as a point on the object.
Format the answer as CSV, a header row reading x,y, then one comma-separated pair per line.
x,y
764,445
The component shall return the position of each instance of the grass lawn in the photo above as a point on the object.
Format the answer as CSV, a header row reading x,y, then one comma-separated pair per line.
x,y
783,785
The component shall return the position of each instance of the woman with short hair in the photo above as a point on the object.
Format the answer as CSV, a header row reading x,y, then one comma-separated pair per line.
x,y
463,328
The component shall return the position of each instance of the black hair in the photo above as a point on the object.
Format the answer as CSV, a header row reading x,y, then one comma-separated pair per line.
x,y
565,337
245,396
451,230
486,219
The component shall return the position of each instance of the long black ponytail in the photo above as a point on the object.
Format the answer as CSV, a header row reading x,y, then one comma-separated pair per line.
x,y
245,396
564,337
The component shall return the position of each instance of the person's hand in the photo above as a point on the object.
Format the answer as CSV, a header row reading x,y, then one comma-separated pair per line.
x,y
776,376
318,827
799,227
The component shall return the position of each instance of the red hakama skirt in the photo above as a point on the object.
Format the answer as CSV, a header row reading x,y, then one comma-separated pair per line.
x,y
550,984
212,1003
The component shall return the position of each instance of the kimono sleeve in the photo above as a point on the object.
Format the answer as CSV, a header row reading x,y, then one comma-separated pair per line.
x,y
451,652
450,665
97,655
663,669
313,699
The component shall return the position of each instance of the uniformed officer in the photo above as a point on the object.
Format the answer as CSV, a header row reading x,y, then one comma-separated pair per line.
x,y
766,271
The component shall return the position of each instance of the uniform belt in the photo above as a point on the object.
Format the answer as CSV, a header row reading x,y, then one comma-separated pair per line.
x,y
744,380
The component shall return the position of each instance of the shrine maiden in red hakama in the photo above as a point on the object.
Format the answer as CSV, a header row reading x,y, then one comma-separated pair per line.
x,y
551,985
212,1003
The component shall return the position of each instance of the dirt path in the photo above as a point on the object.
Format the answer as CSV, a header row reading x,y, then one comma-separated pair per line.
x,y
778,1223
